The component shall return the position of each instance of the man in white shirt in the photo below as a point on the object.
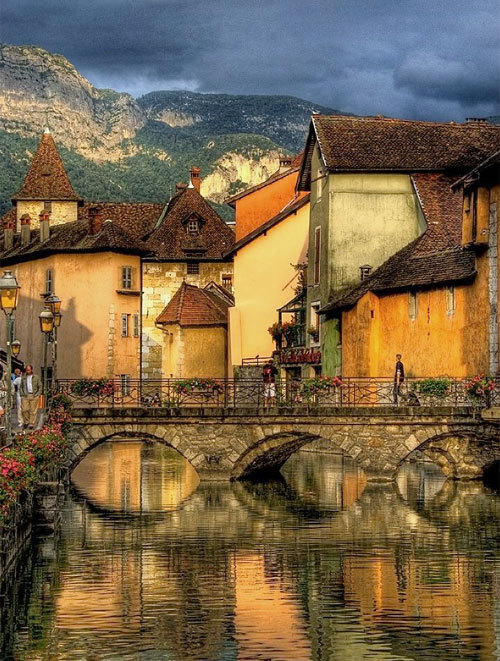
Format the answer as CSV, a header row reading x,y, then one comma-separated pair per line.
x,y
17,383
30,390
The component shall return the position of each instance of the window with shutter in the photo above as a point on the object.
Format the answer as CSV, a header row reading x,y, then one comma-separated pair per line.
x,y
136,325
49,281
125,325
126,277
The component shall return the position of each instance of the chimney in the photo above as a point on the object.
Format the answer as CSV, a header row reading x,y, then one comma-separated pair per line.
x,y
180,186
195,178
44,225
25,229
8,234
95,220
285,163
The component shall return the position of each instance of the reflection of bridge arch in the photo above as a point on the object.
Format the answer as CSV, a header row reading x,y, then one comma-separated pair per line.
x,y
235,447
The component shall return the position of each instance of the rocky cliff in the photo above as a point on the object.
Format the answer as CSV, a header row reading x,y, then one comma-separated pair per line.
x,y
118,148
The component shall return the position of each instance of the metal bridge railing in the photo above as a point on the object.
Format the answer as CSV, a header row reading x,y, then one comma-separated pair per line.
x,y
251,393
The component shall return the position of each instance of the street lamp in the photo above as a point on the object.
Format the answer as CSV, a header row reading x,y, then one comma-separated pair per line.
x,y
16,348
9,295
54,302
46,318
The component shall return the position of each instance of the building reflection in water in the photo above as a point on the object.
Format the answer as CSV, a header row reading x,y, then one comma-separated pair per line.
x,y
244,572
134,477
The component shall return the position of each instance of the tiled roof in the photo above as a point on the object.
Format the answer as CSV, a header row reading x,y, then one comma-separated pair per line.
x,y
291,208
75,238
46,178
490,164
136,218
192,306
170,239
368,144
435,258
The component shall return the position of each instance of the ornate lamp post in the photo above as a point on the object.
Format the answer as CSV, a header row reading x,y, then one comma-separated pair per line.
x,y
54,302
46,318
9,295
16,348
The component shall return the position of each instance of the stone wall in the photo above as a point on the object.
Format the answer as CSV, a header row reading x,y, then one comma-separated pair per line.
x,y
225,444
160,282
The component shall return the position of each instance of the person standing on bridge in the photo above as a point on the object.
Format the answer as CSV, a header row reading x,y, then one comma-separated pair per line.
x,y
269,373
399,377
30,390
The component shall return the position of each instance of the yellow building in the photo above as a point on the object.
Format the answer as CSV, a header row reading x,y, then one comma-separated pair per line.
x,y
436,300
194,324
363,176
265,278
114,266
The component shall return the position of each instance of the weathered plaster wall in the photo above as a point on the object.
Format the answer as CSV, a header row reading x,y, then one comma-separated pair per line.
x,y
89,338
264,280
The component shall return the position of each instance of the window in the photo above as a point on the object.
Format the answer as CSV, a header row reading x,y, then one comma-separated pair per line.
x,y
412,305
450,300
317,254
49,281
193,227
125,325
227,281
315,325
193,268
319,184
126,277
47,206
364,272
125,384
136,325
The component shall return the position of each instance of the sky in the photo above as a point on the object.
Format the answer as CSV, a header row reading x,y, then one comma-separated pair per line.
x,y
419,59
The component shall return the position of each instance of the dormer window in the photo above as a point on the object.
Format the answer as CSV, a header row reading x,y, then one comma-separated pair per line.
x,y
364,272
193,227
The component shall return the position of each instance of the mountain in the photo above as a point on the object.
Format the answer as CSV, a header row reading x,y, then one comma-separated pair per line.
x,y
119,148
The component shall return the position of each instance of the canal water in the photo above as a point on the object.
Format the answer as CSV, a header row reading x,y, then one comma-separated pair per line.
x,y
320,565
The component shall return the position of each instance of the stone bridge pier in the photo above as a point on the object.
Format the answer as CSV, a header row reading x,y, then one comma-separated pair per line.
x,y
228,445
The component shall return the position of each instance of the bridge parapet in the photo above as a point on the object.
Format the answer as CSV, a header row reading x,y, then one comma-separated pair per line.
x,y
319,392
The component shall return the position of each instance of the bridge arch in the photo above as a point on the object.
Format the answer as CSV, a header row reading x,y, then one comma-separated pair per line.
x,y
228,447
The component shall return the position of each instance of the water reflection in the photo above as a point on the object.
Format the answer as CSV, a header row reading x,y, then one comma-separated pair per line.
x,y
317,566
134,477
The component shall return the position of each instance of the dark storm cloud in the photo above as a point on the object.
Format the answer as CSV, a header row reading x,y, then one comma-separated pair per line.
x,y
434,59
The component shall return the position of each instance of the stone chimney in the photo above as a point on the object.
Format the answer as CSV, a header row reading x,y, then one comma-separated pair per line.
x,y
180,186
25,229
44,225
285,163
195,178
95,220
8,234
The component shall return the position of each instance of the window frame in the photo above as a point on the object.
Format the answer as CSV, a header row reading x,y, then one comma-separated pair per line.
x,y
125,326
126,277
193,265
193,227
317,256
412,305
49,281
315,322
136,325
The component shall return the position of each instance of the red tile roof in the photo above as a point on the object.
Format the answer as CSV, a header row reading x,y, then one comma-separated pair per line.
x,y
137,218
433,259
192,306
368,144
46,178
170,240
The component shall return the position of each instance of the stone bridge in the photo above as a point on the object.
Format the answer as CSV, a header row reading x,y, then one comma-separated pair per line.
x,y
225,444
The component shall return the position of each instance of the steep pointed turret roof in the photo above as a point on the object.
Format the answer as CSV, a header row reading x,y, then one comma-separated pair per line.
x,y
46,178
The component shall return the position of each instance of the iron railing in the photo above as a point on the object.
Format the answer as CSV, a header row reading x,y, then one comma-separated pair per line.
x,y
246,393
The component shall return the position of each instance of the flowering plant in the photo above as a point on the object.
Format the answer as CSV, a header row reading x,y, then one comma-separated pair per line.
x,y
320,384
94,387
189,385
480,387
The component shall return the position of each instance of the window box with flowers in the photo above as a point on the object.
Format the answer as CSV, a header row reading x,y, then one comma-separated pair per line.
x,y
94,388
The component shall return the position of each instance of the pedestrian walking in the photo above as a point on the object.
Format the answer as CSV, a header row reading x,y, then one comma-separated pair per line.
x,y
17,389
269,373
30,390
399,377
